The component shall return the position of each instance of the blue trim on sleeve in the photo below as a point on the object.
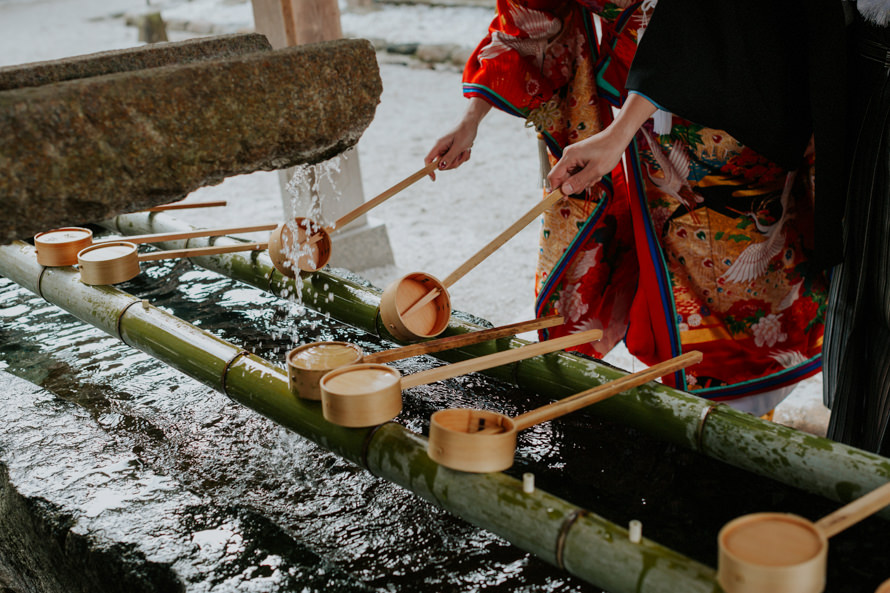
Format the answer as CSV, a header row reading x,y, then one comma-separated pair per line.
x,y
648,98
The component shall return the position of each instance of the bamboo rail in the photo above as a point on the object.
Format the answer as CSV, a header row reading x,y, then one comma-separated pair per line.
x,y
572,538
818,465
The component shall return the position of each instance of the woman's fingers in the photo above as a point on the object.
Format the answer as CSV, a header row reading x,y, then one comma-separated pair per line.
x,y
581,181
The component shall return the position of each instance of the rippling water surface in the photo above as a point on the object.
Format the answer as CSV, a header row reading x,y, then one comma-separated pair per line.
x,y
343,529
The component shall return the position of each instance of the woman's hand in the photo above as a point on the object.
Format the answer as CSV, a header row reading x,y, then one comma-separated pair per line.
x,y
453,149
584,163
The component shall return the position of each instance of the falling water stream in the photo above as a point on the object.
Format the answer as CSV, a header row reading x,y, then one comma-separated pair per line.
x,y
334,526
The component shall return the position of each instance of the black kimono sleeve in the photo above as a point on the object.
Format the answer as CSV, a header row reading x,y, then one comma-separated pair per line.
x,y
769,72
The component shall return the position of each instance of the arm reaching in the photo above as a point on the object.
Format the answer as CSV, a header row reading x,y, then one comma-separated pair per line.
x,y
453,149
583,164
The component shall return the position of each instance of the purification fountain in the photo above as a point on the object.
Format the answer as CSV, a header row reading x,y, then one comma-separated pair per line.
x,y
150,441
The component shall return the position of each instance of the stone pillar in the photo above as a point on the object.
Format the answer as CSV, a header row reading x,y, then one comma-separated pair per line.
x,y
360,244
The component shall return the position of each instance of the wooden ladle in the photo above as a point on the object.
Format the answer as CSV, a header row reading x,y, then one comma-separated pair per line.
x,y
118,261
362,395
480,441
785,553
306,245
418,306
59,247
188,206
307,364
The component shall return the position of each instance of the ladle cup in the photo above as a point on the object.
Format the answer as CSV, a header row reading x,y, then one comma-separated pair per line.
x,y
307,364
59,247
306,245
785,553
418,305
480,441
118,261
363,395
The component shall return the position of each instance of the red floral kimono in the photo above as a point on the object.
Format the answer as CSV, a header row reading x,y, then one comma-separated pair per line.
x,y
695,242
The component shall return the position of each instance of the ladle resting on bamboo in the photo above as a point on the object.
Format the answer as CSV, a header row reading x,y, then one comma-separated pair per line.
x,y
363,395
118,261
785,553
482,441
188,206
307,364
305,245
59,247
418,305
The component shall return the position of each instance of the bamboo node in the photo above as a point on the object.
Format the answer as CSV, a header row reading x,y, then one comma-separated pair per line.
x,y
700,429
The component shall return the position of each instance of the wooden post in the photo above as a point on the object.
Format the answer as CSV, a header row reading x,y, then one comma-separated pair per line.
x,y
293,22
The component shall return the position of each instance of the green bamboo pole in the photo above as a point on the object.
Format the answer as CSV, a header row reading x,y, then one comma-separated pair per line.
x,y
586,545
814,464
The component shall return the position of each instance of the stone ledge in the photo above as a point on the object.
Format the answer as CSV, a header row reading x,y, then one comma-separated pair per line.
x,y
88,149
130,59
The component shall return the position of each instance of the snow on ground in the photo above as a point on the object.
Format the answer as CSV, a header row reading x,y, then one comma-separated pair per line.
x,y
433,227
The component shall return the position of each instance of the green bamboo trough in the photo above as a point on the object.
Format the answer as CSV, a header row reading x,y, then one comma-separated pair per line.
x,y
817,465
568,536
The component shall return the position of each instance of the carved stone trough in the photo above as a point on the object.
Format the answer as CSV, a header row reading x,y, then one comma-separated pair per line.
x,y
86,138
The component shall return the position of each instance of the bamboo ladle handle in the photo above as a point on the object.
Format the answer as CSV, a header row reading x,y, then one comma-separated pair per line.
x,y
175,206
505,236
379,199
855,511
199,251
461,340
490,248
177,236
604,391
499,358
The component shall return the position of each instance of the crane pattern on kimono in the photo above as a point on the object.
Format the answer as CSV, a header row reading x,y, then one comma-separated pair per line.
x,y
539,27
675,169
754,260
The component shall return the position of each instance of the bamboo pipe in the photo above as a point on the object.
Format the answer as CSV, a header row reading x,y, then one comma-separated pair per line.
x,y
418,306
310,249
118,261
175,206
59,247
789,456
307,364
364,395
482,441
785,553
590,547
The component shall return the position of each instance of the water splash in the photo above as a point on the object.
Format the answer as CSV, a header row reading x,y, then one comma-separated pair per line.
x,y
310,186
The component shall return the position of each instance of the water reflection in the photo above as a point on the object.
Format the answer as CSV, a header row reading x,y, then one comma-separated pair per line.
x,y
383,537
